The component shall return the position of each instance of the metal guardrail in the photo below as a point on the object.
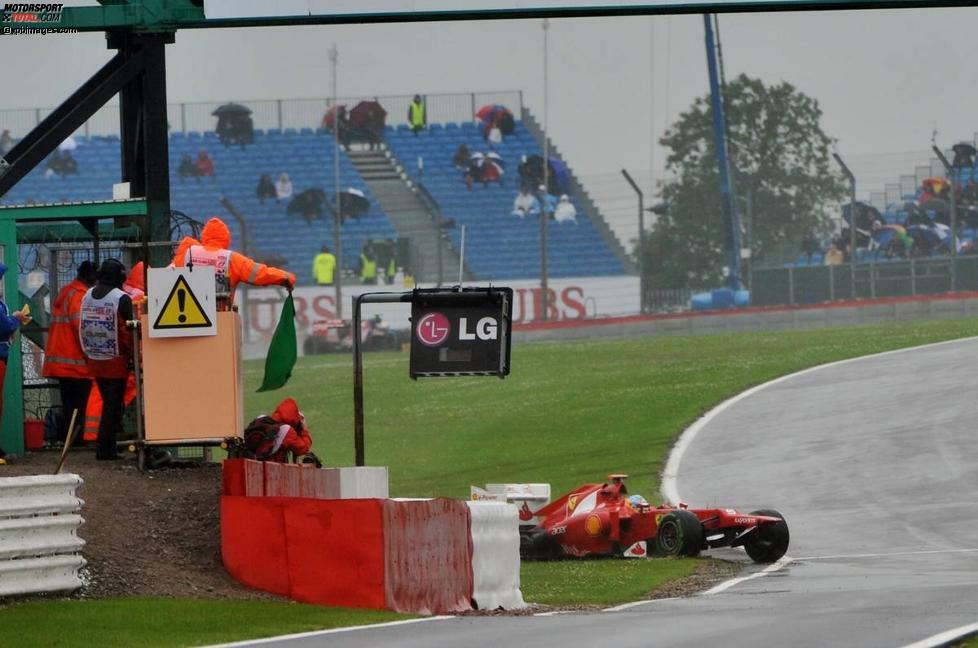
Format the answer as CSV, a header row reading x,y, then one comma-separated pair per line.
x,y
40,550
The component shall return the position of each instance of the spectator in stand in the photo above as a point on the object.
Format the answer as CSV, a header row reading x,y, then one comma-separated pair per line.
x,y
809,246
205,165
6,142
68,163
416,115
55,167
187,168
525,203
265,188
283,187
344,131
834,256
324,267
461,158
565,212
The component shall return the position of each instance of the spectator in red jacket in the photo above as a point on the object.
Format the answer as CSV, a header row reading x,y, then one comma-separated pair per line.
x,y
205,165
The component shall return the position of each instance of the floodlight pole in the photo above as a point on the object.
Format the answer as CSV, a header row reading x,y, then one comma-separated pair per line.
x,y
641,240
852,223
954,218
545,192
337,214
365,298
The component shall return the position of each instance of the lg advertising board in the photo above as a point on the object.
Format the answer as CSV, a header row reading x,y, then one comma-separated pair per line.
x,y
461,333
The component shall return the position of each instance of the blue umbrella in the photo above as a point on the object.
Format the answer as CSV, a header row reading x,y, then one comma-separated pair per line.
x,y
561,174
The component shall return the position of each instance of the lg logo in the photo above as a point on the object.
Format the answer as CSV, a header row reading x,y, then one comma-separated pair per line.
x,y
485,329
433,329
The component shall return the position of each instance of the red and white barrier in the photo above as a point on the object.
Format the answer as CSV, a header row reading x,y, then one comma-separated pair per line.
x,y
408,556
495,555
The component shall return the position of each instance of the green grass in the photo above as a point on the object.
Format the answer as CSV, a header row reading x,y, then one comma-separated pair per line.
x,y
599,582
570,413
167,622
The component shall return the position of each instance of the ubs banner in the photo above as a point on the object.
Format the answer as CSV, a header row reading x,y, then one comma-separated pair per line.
x,y
570,299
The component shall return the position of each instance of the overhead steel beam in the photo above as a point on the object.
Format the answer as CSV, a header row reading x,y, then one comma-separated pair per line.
x,y
67,118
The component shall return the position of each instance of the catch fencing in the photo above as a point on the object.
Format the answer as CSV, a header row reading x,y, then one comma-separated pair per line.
x,y
278,113
40,550
816,284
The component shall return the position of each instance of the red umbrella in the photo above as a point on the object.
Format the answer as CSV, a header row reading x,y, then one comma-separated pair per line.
x,y
330,117
367,113
492,112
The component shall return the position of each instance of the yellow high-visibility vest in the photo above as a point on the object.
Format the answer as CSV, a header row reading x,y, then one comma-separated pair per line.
x,y
417,115
323,267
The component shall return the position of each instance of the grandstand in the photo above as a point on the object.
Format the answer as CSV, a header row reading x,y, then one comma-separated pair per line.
x,y
498,246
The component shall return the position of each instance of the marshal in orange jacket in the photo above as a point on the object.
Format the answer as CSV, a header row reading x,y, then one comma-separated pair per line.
x,y
63,357
216,240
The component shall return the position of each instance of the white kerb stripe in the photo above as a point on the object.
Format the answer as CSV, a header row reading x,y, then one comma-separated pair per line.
x,y
320,633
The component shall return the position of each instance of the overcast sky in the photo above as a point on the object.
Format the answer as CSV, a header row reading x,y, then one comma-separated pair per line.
x,y
885,79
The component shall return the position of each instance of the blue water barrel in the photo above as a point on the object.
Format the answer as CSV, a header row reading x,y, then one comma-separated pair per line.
x,y
742,298
723,298
702,301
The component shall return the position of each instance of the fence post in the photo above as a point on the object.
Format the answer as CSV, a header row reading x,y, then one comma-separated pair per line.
x,y
183,118
37,116
278,107
831,283
472,101
913,277
791,286
872,279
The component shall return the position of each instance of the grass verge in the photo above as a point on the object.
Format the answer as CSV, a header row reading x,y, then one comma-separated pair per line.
x,y
163,622
569,414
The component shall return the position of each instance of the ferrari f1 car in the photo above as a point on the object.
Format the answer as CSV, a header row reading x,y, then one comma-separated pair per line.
x,y
602,520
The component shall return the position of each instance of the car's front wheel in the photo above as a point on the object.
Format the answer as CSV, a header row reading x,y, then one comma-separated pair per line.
x,y
769,542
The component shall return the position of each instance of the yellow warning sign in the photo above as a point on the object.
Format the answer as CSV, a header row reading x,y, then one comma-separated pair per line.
x,y
182,309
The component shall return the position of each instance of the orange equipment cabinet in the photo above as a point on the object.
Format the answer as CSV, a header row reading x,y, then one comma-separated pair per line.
x,y
192,386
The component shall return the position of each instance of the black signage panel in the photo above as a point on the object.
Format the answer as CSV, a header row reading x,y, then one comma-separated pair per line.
x,y
463,332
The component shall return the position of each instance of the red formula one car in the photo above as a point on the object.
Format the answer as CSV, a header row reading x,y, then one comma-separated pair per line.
x,y
602,520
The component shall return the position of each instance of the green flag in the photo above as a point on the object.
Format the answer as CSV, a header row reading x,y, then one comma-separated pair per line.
x,y
282,351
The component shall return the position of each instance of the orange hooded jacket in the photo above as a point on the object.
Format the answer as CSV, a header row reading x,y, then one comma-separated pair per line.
x,y
216,237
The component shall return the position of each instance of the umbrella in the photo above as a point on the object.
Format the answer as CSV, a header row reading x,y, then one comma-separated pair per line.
x,y
231,109
70,144
492,112
367,114
353,203
928,237
310,201
964,154
865,215
330,117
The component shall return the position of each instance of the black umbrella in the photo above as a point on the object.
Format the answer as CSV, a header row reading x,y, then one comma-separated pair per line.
x,y
964,154
309,203
229,109
865,215
353,203
368,114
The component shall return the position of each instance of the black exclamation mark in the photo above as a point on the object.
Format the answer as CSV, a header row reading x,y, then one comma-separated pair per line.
x,y
181,302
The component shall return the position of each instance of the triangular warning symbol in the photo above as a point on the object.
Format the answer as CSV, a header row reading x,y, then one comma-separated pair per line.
x,y
181,309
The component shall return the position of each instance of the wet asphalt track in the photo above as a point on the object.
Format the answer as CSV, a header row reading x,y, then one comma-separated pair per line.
x,y
874,463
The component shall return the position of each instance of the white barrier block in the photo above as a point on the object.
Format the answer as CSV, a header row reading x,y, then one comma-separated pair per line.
x,y
496,555
368,482
39,494
40,536
48,574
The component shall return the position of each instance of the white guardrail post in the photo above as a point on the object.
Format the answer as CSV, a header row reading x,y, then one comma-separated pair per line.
x,y
40,550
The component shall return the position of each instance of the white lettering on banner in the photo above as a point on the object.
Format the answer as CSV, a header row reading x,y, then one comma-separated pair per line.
x,y
569,299
486,329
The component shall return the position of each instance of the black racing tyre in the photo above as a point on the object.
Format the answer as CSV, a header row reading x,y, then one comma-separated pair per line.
x,y
679,533
769,542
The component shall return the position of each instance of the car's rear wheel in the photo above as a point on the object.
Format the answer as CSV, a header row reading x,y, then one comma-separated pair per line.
x,y
767,543
679,533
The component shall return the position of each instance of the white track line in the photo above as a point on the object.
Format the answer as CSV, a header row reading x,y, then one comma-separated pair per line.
x,y
625,606
945,637
670,489
321,633
887,555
